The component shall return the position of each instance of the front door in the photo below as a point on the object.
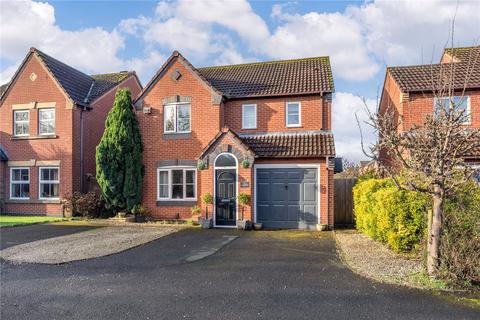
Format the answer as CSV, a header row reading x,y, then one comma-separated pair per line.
x,y
225,198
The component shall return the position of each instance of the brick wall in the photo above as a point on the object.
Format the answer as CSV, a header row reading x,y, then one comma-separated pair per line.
x,y
94,122
271,114
25,91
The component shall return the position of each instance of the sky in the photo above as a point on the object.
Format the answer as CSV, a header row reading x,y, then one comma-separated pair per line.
x,y
361,38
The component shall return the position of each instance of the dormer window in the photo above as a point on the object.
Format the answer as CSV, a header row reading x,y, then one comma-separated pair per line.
x,y
293,114
177,118
21,123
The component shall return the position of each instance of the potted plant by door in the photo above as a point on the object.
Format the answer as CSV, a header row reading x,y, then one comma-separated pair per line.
x,y
206,222
243,201
141,213
196,213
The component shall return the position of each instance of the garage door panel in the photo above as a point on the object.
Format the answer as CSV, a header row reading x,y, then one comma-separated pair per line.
x,y
310,213
309,191
287,197
294,192
263,192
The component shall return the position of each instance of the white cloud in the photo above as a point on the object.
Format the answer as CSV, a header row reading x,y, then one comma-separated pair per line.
x,y
408,32
24,24
345,128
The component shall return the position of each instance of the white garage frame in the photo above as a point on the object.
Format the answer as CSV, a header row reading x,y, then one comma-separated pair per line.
x,y
286,166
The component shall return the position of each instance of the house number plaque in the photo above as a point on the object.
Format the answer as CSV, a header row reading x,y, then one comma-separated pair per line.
x,y
244,184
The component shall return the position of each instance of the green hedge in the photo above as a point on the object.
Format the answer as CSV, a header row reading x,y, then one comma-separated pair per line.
x,y
390,215
460,245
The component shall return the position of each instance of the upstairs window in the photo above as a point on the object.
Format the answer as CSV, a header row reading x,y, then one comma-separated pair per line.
x,y
46,121
249,116
21,123
20,183
49,183
177,118
293,114
458,104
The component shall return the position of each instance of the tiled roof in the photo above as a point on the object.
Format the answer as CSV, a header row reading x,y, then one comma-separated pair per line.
x,y
291,145
3,154
464,54
105,82
275,78
80,87
434,76
75,83
3,88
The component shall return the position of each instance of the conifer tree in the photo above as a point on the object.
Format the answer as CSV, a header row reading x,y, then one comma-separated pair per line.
x,y
119,156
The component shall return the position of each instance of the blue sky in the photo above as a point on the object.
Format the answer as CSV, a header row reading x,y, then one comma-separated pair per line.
x,y
361,38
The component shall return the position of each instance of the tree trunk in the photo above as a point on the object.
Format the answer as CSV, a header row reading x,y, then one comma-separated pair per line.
x,y
435,233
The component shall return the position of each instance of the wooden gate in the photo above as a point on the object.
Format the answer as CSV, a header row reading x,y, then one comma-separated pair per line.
x,y
343,201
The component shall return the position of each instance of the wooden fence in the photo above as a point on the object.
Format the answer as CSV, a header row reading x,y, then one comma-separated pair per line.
x,y
343,201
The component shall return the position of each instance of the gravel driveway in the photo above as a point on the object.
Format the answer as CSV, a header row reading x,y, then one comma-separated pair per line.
x,y
84,245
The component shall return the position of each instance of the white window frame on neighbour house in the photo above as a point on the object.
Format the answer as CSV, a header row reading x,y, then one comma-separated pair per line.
x,y
22,122
467,108
19,182
174,107
40,121
244,124
287,122
51,182
184,183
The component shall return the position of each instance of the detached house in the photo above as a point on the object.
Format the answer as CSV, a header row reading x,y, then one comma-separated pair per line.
x,y
263,129
52,117
408,90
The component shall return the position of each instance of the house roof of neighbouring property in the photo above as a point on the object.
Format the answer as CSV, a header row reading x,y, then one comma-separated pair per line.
x,y
464,54
313,144
435,76
273,78
80,87
3,154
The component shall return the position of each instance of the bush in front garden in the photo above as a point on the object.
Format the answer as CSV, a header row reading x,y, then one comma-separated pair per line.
x,y
390,215
88,205
460,246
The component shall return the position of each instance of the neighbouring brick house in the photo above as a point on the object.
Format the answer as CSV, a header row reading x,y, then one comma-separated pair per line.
x,y
261,128
408,90
52,116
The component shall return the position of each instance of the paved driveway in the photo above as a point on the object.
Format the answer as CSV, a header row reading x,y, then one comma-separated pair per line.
x,y
259,275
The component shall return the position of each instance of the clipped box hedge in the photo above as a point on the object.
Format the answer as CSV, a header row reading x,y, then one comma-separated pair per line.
x,y
389,215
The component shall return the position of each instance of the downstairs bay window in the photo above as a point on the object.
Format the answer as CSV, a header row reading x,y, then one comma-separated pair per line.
x,y
176,184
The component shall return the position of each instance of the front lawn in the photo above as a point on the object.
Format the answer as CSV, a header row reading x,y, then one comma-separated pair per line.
x,y
12,221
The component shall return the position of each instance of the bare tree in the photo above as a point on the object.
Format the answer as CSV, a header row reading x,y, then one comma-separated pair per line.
x,y
431,155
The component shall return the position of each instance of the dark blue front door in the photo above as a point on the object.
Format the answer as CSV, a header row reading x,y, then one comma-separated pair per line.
x,y
225,197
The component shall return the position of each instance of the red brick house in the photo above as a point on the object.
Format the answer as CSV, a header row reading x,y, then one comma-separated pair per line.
x,y
408,89
261,128
51,119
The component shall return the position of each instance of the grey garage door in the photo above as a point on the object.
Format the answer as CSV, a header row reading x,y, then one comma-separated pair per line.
x,y
287,198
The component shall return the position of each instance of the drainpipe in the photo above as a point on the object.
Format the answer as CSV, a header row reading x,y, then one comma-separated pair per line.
x,y
328,187
81,150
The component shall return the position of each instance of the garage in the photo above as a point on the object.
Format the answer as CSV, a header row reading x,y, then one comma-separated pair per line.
x,y
287,197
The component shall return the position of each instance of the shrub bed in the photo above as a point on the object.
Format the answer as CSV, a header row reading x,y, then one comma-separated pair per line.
x,y
88,205
389,215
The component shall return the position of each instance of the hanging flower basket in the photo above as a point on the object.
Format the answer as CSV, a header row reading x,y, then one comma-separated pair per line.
x,y
245,164
202,165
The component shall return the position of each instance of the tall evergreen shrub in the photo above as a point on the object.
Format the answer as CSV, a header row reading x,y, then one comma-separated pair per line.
x,y
119,156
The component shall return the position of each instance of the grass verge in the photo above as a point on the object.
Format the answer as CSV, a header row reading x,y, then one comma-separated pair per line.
x,y
15,221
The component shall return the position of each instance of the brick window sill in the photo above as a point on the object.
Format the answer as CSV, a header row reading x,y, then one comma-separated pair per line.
x,y
33,201
34,137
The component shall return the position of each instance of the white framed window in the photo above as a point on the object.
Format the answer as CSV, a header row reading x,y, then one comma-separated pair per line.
x,y
293,114
20,183
176,118
48,183
249,116
46,121
455,103
177,184
21,123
